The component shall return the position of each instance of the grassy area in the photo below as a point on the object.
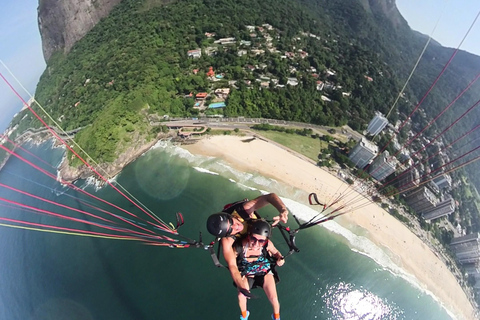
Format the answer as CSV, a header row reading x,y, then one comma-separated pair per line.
x,y
468,192
339,136
307,146
225,132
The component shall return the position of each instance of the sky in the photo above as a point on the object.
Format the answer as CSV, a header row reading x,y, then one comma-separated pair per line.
x,y
21,49
21,52
456,17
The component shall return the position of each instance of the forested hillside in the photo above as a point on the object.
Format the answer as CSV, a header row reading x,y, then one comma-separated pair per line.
x,y
134,66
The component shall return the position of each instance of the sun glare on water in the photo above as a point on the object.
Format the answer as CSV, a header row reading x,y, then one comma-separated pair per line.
x,y
350,303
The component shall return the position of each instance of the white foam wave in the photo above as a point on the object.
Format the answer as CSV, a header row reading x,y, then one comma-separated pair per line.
x,y
160,144
245,187
206,171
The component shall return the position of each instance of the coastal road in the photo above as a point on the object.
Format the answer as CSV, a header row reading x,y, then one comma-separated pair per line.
x,y
245,123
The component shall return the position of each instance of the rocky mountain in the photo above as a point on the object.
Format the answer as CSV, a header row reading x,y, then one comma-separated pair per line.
x,y
63,22
387,8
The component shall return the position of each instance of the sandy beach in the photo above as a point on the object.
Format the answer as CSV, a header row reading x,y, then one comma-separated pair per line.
x,y
404,247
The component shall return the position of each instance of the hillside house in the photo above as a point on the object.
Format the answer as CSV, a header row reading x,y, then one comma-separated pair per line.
x,y
320,85
292,81
369,79
211,51
303,54
225,41
258,51
222,93
195,54
201,95
329,86
210,72
330,72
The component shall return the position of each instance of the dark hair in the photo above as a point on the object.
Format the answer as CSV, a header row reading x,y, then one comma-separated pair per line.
x,y
217,224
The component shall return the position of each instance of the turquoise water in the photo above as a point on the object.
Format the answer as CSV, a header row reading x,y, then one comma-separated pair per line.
x,y
336,275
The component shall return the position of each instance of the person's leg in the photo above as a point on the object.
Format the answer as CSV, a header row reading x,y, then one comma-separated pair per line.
x,y
270,289
242,301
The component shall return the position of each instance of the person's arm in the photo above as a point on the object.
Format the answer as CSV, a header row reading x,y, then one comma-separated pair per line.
x,y
275,253
231,260
262,201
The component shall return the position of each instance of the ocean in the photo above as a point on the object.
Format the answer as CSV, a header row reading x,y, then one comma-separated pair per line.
x,y
336,275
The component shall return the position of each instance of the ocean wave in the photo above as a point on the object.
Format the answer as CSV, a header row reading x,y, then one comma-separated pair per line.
x,y
96,183
199,169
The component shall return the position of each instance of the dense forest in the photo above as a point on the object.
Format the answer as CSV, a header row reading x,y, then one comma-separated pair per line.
x,y
136,59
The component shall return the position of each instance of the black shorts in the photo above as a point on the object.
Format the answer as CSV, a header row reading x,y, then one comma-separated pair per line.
x,y
257,281
254,282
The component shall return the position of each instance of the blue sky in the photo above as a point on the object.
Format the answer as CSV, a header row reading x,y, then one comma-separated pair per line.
x,y
456,16
20,44
20,51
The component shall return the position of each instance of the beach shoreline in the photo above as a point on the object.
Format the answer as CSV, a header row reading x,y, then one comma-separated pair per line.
x,y
405,249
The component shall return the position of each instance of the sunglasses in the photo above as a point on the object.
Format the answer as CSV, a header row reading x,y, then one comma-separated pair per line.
x,y
255,240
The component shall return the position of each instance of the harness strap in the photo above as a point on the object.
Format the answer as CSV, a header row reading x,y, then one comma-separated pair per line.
x,y
214,256
290,240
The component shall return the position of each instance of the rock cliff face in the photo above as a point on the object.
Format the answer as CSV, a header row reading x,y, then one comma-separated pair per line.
x,y
64,22
388,8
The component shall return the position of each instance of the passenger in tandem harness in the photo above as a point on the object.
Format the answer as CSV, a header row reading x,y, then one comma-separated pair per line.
x,y
232,224
256,258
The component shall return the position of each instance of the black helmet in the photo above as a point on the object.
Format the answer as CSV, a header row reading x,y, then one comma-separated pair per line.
x,y
260,227
218,224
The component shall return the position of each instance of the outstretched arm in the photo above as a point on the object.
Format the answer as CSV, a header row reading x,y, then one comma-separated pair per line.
x,y
231,260
276,254
264,200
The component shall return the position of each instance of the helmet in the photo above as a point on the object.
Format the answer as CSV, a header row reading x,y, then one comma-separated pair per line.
x,y
260,227
218,224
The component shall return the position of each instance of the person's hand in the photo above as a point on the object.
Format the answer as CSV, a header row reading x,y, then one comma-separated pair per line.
x,y
282,217
246,293
280,262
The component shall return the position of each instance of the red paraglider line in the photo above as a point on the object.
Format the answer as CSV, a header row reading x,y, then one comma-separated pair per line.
x,y
25,150
76,188
81,159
